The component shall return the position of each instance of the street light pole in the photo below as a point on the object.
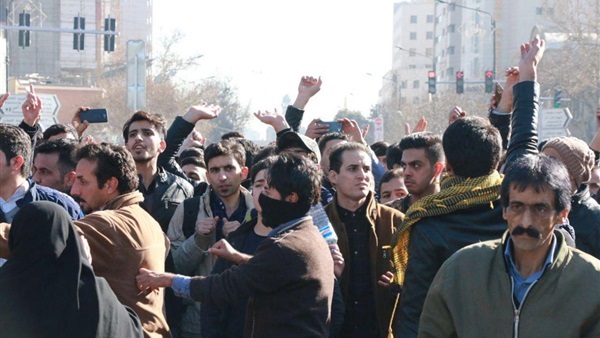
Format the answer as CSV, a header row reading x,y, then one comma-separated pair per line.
x,y
419,54
493,24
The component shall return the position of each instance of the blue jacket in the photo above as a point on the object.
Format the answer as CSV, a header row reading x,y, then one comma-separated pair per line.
x,y
41,193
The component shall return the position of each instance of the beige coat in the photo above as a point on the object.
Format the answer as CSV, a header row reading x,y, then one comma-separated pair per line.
x,y
123,238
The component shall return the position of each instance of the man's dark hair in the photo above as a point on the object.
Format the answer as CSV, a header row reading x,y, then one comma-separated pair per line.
x,y
541,173
331,136
13,142
193,156
263,164
389,175
111,161
472,147
251,149
293,173
393,155
57,129
157,120
430,142
380,148
335,158
264,153
231,134
225,148
65,148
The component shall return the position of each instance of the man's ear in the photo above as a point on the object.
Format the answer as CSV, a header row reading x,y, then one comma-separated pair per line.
x,y
332,175
561,216
162,145
292,198
70,178
438,169
16,163
504,213
111,185
244,173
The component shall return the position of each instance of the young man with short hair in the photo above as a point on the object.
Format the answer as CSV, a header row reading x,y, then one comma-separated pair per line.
x,y
364,228
54,164
144,136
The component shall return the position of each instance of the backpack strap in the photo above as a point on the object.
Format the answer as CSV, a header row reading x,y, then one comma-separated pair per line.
x,y
191,207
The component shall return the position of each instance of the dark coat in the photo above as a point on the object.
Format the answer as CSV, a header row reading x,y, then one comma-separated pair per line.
x,y
584,217
289,281
382,221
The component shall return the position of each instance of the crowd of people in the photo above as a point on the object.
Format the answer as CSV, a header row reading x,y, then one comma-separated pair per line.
x,y
482,231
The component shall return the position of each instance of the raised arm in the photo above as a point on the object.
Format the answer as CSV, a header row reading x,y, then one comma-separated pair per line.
x,y
307,88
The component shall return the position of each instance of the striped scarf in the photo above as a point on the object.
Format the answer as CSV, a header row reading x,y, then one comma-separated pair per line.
x,y
457,193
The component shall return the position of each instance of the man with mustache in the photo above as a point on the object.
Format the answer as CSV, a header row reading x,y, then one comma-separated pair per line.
x,y
530,283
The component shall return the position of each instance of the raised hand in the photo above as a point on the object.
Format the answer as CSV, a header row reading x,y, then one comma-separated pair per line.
x,y
307,88
531,55
352,129
315,130
32,107
419,127
202,111
194,139
80,126
3,99
274,119
455,114
506,102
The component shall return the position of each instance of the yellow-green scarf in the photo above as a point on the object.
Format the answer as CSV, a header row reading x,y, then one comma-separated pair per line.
x,y
456,193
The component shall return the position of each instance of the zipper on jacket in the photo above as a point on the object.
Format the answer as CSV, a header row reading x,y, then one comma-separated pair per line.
x,y
253,319
517,311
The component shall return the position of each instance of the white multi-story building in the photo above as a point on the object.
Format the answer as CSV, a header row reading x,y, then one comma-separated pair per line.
x,y
458,37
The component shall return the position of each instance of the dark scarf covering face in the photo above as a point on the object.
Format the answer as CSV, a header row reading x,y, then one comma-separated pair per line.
x,y
48,288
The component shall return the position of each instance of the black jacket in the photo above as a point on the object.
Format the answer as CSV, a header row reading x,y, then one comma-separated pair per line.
x,y
177,133
584,217
169,192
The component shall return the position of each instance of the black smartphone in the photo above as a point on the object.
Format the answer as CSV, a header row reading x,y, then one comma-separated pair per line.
x,y
334,127
99,115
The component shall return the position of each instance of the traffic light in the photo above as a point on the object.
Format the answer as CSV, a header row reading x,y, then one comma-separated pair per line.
x,y
460,82
489,81
24,36
557,98
110,25
431,82
78,38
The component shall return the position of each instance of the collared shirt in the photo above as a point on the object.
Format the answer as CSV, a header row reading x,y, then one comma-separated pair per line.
x,y
520,284
9,207
218,210
360,299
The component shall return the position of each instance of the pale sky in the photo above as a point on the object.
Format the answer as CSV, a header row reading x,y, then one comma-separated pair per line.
x,y
265,46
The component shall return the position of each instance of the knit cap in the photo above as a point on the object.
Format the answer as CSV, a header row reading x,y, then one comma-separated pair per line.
x,y
576,156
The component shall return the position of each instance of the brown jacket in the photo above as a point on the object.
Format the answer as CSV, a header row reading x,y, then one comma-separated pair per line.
x,y
123,238
382,220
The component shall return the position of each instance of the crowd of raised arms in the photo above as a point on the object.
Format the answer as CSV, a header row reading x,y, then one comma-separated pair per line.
x,y
484,231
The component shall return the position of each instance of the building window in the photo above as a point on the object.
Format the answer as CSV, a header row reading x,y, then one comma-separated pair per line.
x,y
412,52
429,36
404,84
549,11
429,18
413,19
539,10
416,84
429,51
451,28
412,66
451,50
413,35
